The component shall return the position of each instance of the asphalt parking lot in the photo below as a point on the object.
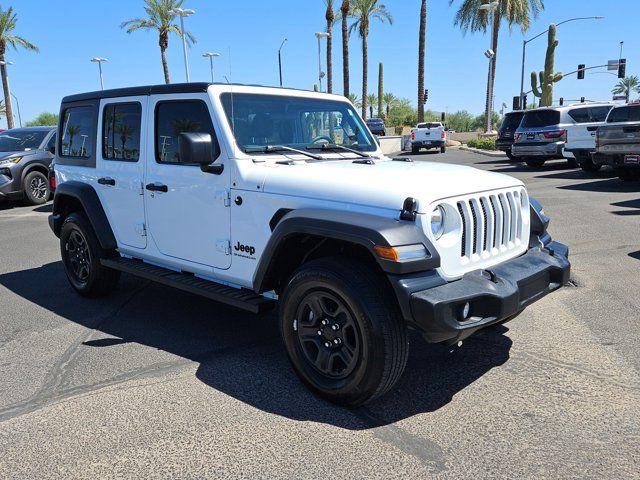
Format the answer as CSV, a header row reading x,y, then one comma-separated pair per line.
x,y
153,382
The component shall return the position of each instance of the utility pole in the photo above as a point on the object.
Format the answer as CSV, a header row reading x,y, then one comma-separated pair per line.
x,y
99,61
211,56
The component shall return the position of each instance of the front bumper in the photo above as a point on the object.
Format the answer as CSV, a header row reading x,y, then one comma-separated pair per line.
x,y
493,295
547,150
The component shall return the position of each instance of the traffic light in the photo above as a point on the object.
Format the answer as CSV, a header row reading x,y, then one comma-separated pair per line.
x,y
516,103
561,101
581,99
581,69
443,117
426,95
622,68
524,102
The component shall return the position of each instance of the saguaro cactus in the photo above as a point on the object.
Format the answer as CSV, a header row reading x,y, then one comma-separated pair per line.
x,y
380,90
547,77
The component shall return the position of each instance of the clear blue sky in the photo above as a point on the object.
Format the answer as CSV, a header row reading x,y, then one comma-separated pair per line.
x,y
70,32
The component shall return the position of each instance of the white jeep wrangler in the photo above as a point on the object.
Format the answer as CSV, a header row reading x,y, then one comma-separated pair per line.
x,y
254,196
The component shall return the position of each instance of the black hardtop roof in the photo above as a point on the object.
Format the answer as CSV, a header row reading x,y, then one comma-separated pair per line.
x,y
195,87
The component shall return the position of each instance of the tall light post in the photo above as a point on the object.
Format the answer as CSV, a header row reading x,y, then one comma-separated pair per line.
x,y
211,56
99,61
280,60
524,51
181,12
5,64
491,55
320,36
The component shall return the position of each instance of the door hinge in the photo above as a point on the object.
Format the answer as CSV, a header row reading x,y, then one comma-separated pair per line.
x,y
225,196
141,229
141,191
224,246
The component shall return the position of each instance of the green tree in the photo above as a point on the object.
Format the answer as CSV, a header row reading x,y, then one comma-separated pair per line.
x,y
160,18
45,118
364,11
8,22
627,86
422,39
402,113
469,17
371,101
460,121
389,100
330,17
353,98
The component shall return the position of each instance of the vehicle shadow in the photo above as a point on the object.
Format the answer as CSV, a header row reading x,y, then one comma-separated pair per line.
x,y
46,208
242,356
9,204
632,206
524,168
611,185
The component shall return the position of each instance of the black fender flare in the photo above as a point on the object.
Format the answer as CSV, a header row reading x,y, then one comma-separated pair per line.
x,y
90,202
362,229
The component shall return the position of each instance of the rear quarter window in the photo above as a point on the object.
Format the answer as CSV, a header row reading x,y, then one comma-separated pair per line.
x,y
624,114
540,118
77,134
512,121
589,114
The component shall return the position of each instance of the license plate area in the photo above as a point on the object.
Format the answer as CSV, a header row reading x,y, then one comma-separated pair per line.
x,y
632,159
531,136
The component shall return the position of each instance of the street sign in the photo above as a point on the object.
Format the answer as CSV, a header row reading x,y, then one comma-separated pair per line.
x,y
613,64
619,97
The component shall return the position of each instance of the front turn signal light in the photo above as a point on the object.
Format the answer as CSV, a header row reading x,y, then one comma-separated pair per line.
x,y
401,254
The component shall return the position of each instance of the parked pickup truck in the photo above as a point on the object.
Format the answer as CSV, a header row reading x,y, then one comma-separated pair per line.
x,y
255,196
618,142
429,135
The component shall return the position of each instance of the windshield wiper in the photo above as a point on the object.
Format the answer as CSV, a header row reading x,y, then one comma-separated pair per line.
x,y
281,148
333,146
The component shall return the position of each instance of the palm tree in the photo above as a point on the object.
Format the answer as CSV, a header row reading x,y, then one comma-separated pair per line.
x,y
516,12
353,98
161,19
364,11
389,100
371,101
627,86
8,21
330,16
422,40
72,131
125,132
345,10
3,109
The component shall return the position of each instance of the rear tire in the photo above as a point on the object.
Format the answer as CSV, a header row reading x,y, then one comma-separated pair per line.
x,y
510,156
342,330
36,188
415,150
588,166
534,162
627,174
81,254
572,162
443,149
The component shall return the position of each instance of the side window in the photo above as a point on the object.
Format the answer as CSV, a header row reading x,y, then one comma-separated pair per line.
x,y
580,115
78,132
599,114
121,131
174,118
51,144
618,115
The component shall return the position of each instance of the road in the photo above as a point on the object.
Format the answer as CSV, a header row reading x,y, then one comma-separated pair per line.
x,y
153,382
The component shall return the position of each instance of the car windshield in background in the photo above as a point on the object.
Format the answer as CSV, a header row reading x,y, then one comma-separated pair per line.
x,y
625,114
374,121
296,122
512,121
540,118
21,140
429,125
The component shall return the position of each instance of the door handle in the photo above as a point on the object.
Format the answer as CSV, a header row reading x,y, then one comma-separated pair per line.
x,y
157,187
107,181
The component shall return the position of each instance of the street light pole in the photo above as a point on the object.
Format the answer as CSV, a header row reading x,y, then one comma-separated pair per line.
x,y
280,60
320,36
181,12
99,61
524,51
211,56
18,108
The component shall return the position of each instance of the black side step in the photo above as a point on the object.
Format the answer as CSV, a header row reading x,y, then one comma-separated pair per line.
x,y
240,298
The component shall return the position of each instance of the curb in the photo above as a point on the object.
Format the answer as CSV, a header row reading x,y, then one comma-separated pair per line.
x,y
486,153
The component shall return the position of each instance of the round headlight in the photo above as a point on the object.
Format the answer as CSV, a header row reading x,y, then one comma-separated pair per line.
x,y
437,222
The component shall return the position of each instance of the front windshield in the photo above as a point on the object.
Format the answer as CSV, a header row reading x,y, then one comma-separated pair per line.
x,y
259,121
21,140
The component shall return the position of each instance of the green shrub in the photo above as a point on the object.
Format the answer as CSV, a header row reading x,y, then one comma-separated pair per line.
x,y
482,143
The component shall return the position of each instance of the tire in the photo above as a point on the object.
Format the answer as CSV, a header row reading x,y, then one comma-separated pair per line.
x,y
342,331
534,162
510,155
587,165
81,253
627,174
572,162
415,150
36,188
443,149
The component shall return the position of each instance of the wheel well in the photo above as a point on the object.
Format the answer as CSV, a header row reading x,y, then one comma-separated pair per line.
x,y
68,204
299,249
38,168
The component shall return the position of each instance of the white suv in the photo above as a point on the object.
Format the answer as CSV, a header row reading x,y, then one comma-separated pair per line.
x,y
254,196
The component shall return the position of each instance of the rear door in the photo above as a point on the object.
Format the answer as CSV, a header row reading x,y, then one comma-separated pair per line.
x,y
581,134
121,149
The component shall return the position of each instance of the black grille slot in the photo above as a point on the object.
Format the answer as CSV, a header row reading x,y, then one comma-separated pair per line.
x,y
475,228
484,215
464,231
496,240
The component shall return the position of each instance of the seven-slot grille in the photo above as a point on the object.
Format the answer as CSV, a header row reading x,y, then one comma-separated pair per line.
x,y
490,223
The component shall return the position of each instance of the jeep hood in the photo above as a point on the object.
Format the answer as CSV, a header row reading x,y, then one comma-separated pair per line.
x,y
385,184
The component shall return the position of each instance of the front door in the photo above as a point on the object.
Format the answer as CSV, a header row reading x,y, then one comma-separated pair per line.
x,y
120,167
188,215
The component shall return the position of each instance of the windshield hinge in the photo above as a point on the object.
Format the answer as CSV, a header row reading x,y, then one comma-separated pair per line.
x,y
224,246
141,229
225,196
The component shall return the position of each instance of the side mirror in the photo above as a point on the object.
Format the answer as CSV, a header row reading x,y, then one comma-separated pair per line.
x,y
198,148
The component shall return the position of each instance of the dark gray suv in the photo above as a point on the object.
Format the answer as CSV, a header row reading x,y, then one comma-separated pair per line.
x,y
25,156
